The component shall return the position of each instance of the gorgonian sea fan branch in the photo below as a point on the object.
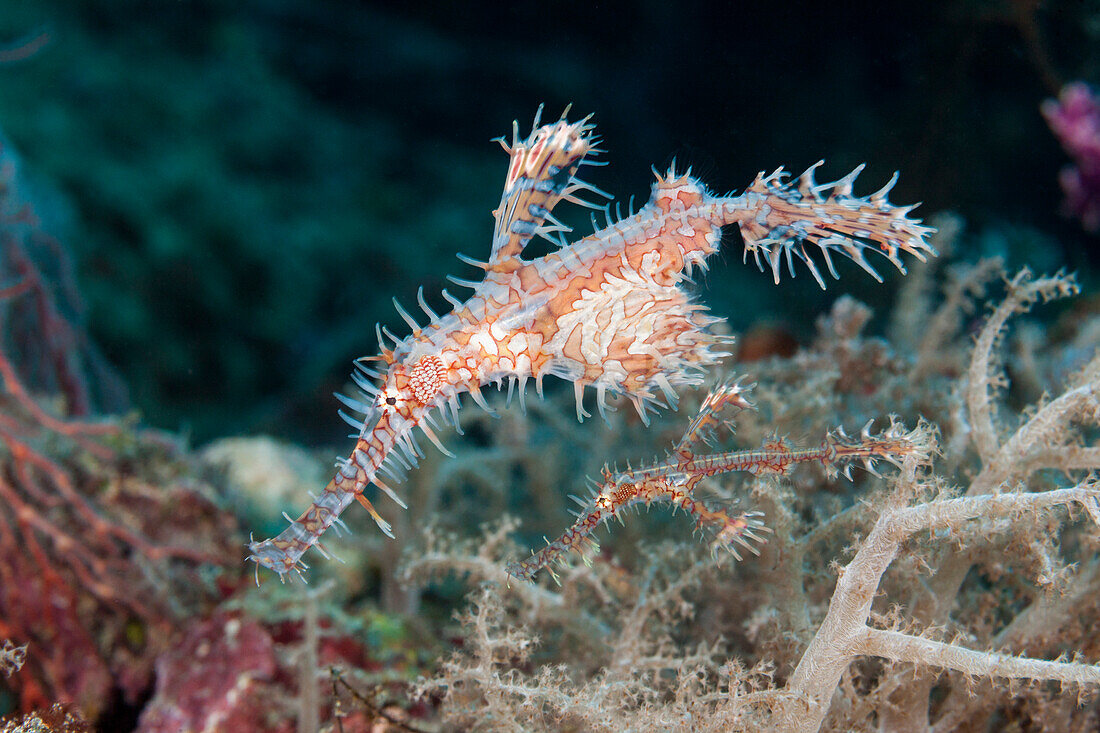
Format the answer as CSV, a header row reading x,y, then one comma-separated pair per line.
x,y
608,311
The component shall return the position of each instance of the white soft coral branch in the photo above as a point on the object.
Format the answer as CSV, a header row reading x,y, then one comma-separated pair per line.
x,y
983,379
901,647
844,634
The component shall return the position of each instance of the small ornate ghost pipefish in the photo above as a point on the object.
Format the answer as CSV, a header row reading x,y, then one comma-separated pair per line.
x,y
674,480
607,311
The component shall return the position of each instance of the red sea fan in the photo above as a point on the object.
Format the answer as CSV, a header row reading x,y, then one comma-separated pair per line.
x,y
101,533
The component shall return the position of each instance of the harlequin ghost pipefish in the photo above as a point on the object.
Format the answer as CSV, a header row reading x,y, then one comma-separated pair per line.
x,y
608,311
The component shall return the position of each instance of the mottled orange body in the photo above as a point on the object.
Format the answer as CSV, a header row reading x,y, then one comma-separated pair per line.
x,y
607,311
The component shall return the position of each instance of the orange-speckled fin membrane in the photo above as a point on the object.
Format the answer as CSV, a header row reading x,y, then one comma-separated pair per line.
x,y
606,311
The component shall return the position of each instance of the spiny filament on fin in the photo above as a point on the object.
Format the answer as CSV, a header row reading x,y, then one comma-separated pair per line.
x,y
608,311
674,480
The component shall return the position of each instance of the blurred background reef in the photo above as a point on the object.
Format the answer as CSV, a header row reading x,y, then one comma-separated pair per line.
x,y
244,185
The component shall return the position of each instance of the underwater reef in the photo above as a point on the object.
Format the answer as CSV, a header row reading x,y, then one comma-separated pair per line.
x,y
880,513
955,591
951,585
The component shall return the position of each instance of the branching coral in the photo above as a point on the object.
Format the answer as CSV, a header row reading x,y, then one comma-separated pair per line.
x,y
636,678
844,634
882,647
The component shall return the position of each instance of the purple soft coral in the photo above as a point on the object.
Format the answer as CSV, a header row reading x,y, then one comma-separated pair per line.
x,y
1075,120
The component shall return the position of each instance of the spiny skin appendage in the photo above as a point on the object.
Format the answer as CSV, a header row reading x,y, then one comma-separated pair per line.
x,y
608,311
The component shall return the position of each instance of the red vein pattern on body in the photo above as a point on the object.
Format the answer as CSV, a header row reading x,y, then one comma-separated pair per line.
x,y
608,311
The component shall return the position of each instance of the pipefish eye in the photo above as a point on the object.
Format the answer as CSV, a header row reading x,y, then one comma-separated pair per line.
x,y
389,399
